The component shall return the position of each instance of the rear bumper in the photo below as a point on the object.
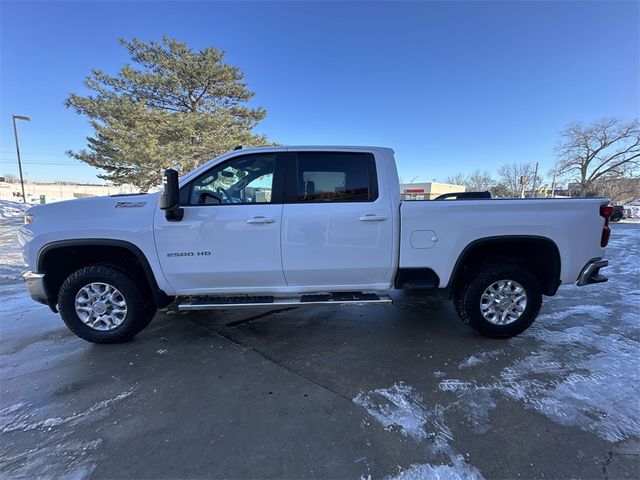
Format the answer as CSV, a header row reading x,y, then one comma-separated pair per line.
x,y
35,286
591,272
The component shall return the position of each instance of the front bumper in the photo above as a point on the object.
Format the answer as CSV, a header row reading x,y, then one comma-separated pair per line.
x,y
35,286
591,272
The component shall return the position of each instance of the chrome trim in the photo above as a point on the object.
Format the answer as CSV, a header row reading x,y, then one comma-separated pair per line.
x,y
35,286
592,266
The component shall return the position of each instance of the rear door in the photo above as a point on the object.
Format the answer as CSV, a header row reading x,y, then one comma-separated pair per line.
x,y
337,228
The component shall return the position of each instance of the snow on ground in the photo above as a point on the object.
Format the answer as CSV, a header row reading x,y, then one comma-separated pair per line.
x,y
57,454
400,406
11,262
482,357
584,373
19,416
634,207
9,209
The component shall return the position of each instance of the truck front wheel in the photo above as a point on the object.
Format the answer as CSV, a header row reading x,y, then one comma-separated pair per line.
x,y
102,304
500,301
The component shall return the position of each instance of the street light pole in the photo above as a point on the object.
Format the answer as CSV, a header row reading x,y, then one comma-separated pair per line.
x,y
15,133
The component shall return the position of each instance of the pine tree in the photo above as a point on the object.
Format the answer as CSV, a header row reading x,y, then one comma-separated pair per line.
x,y
173,108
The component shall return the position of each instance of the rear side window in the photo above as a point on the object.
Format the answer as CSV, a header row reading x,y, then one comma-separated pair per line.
x,y
336,177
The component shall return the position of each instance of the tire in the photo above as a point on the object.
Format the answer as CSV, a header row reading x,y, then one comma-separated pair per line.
x,y
135,310
467,300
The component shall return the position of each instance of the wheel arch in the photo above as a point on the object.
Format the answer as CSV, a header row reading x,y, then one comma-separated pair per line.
x,y
76,253
479,251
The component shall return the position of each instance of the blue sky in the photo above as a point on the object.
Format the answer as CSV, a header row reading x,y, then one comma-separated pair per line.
x,y
451,86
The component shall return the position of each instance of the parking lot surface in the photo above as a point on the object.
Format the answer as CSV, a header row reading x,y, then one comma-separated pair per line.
x,y
403,391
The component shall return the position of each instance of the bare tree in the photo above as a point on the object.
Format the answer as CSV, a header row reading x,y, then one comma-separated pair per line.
x,y
476,181
605,149
457,179
479,181
511,173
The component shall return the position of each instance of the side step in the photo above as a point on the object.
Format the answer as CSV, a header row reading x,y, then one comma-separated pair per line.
x,y
340,298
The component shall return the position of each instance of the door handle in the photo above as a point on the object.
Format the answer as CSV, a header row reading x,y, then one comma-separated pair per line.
x,y
371,217
261,220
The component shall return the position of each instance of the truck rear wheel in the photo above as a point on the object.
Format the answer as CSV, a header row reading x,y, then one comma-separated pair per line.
x,y
102,304
500,301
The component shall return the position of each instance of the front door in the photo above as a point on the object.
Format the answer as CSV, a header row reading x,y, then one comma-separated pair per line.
x,y
337,230
229,238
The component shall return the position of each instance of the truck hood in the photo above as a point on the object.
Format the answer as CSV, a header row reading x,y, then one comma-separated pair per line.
x,y
92,206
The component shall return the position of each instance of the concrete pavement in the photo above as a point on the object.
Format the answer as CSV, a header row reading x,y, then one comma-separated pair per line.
x,y
404,391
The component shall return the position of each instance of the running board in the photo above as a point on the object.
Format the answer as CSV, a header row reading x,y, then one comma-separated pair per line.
x,y
340,298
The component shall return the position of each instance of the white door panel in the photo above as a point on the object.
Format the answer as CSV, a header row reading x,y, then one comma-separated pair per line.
x,y
328,244
221,247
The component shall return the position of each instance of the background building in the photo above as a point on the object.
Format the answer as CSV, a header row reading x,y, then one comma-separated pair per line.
x,y
427,190
55,192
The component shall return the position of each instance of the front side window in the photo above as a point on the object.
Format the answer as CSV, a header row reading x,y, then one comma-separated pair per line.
x,y
246,179
336,177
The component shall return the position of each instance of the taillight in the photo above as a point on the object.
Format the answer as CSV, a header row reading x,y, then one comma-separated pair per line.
x,y
605,211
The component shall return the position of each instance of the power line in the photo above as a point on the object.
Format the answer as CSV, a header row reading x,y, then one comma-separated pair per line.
x,y
45,163
5,152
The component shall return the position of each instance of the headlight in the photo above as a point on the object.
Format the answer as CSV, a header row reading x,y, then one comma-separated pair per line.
x,y
28,219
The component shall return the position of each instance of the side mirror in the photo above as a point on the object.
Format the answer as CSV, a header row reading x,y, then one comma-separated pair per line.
x,y
170,198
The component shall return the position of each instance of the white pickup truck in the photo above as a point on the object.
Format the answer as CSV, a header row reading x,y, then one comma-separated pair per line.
x,y
303,226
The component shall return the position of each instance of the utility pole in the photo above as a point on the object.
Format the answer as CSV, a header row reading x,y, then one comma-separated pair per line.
x,y
535,177
15,133
553,183
523,183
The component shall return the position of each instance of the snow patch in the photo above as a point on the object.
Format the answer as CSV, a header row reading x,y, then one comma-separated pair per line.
x,y
9,209
480,358
11,261
470,362
45,461
401,407
459,470
57,454
19,417
397,406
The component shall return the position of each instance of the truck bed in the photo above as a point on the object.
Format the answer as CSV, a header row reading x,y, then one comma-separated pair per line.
x,y
433,232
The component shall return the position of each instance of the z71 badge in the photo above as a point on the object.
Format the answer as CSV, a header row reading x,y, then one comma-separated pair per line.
x,y
129,204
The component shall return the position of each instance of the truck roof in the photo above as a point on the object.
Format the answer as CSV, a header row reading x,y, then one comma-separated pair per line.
x,y
282,148
312,147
